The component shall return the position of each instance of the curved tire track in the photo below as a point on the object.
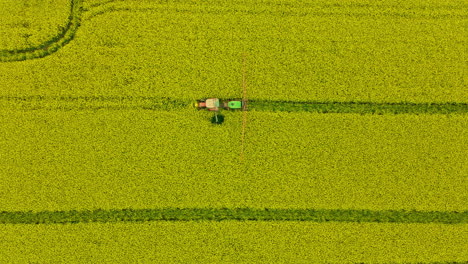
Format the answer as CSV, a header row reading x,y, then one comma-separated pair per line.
x,y
52,45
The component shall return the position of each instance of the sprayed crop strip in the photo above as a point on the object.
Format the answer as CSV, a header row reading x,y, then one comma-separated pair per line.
x,y
237,214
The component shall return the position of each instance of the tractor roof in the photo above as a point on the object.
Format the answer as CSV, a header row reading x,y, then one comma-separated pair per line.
x,y
212,102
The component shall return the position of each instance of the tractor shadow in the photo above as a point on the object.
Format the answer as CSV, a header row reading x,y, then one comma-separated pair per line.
x,y
217,119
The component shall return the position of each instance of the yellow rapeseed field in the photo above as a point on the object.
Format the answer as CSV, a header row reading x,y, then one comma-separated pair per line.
x,y
357,119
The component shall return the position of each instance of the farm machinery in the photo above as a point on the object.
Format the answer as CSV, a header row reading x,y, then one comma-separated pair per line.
x,y
216,104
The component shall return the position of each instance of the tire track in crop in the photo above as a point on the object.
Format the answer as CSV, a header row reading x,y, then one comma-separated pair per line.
x,y
232,214
69,103
408,15
289,9
359,107
58,41
52,45
66,103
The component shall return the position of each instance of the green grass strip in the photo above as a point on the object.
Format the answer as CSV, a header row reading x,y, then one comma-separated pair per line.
x,y
51,45
360,107
237,214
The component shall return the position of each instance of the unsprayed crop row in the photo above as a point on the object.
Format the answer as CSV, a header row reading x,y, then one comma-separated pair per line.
x,y
162,103
78,160
234,242
67,32
155,48
235,214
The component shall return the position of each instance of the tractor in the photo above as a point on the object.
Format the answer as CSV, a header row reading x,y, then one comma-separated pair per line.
x,y
215,104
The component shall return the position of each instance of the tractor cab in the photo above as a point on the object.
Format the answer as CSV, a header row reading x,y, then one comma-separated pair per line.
x,y
212,104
